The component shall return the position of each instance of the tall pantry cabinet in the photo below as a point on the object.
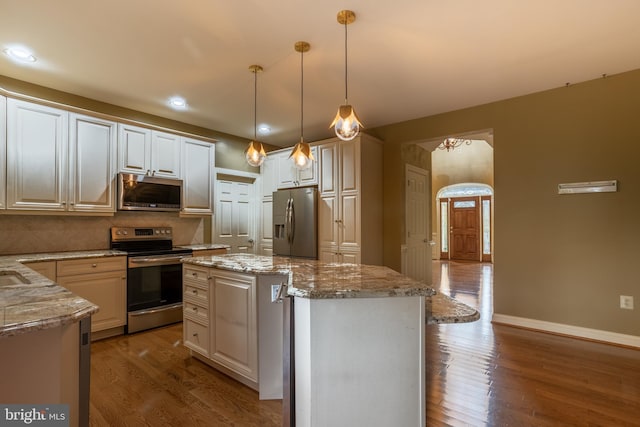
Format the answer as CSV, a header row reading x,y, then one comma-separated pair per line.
x,y
350,205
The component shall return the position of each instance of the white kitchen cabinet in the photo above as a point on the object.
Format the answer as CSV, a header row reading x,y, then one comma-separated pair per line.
x,y
103,281
198,161
92,164
268,184
165,154
231,324
3,151
37,138
350,202
289,176
148,152
196,309
59,161
234,334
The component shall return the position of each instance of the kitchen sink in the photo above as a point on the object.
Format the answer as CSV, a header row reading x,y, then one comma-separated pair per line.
x,y
12,278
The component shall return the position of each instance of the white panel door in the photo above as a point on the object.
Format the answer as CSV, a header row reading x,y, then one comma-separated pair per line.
x,y
418,253
234,225
37,138
92,164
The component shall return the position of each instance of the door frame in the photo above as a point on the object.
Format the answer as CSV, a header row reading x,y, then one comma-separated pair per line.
x,y
253,208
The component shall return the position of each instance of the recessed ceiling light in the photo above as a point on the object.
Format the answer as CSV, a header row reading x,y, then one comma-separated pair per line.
x,y
264,129
178,103
20,54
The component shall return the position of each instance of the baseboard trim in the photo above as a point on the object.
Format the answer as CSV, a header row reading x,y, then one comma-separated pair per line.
x,y
568,330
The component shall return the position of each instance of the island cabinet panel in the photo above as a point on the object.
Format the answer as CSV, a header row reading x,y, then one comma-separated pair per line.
x,y
234,338
196,309
103,281
231,323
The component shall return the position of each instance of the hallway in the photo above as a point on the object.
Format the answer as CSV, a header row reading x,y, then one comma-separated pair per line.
x,y
480,374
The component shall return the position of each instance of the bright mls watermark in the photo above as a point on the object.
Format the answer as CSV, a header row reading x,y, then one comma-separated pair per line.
x,y
34,415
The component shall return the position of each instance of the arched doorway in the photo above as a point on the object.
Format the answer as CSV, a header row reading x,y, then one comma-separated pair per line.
x,y
465,219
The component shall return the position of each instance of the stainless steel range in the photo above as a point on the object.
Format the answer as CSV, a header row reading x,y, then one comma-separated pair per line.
x,y
154,275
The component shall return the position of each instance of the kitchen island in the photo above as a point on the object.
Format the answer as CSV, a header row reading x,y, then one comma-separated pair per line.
x,y
44,337
358,335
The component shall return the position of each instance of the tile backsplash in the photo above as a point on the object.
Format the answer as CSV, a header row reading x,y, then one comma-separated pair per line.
x,y
22,234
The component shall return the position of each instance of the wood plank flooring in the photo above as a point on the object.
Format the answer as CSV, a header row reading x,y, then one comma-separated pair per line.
x,y
478,374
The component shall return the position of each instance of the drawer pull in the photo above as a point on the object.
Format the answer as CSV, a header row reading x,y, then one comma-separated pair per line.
x,y
195,309
195,292
94,265
194,274
195,334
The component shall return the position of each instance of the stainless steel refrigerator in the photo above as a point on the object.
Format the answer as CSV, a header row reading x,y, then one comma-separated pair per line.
x,y
295,222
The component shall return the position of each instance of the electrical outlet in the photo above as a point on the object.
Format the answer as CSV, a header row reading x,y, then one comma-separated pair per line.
x,y
626,302
274,293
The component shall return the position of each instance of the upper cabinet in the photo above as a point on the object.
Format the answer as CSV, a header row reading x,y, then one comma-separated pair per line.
x,y
37,138
59,161
148,152
3,151
198,160
92,164
289,176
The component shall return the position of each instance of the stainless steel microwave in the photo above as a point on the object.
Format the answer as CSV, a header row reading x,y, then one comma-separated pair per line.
x,y
148,193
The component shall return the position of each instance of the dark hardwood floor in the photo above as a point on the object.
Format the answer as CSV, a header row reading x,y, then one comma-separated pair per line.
x,y
478,374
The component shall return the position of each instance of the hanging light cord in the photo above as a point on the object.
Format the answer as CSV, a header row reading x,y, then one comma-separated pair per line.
x,y
345,65
255,103
301,94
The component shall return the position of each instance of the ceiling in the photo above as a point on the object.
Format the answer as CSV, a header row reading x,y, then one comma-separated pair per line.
x,y
407,58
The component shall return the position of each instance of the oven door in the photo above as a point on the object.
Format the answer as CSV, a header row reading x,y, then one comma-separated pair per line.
x,y
154,291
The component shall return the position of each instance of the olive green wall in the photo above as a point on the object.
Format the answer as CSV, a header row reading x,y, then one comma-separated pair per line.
x,y
558,258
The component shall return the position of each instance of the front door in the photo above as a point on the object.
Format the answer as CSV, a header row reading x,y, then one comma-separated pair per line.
x,y
233,224
464,228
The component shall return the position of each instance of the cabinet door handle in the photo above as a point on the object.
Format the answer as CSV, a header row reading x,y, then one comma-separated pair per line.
x,y
195,334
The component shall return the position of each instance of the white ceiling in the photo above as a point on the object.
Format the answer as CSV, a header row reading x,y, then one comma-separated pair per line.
x,y
407,58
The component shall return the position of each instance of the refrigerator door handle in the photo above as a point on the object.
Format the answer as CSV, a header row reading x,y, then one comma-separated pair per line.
x,y
288,220
292,222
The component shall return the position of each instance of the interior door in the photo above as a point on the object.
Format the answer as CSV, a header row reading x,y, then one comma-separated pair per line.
x,y
418,252
464,218
234,214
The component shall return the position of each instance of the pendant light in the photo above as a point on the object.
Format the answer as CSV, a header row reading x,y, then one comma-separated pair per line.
x,y
347,124
255,153
301,153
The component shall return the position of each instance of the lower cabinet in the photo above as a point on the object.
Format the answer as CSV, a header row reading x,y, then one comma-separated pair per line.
x,y
103,281
222,325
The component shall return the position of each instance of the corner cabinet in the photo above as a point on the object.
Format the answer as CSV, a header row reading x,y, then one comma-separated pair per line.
x,y
198,162
350,205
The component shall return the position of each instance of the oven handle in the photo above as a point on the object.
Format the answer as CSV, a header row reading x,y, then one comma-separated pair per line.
x,y
155,310
148,262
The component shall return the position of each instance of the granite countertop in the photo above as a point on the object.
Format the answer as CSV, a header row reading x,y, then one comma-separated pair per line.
x,y
41,303
317,280
204,246
442,308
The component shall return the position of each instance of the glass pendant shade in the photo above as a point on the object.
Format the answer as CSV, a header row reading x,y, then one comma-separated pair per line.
x,y
302,155
347,124
255,153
